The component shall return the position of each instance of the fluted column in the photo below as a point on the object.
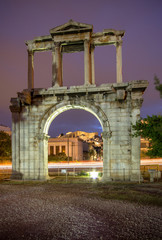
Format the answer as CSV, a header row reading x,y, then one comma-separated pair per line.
x,y
119,62
57,65
87,63
30,70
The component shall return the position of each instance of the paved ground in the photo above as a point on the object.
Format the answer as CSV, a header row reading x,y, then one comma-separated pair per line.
x,y
64,211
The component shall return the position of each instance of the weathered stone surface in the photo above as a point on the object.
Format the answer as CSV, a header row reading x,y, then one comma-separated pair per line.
x,y
121,94
31,126
115,105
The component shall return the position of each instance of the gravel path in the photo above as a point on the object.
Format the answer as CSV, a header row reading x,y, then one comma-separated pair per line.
x,y
72,212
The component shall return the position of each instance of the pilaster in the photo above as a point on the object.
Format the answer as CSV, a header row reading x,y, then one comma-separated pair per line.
x,y
135,141
106,135
43,156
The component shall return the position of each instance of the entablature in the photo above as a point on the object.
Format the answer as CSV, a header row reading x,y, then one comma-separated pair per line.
x,y
72,35
104,93
134,86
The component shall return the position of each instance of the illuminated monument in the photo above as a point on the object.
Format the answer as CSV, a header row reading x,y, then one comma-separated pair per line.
x,y
115,105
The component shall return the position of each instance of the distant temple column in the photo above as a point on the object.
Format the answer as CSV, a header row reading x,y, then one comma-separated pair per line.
x,y
30,70
57,66
119,62
93,65
87,63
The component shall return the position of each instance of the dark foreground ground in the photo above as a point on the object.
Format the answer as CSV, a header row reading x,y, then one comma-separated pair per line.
x,y
75,211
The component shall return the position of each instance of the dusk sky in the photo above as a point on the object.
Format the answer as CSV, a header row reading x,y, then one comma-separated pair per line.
x,y
22,20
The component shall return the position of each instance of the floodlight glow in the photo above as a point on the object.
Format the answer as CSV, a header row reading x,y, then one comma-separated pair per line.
x,y
94,175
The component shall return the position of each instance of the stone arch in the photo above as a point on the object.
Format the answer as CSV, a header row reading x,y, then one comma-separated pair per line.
x,y
57,109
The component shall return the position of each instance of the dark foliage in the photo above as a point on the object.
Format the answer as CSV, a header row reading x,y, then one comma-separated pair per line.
x,y
151,128
158,85
5,144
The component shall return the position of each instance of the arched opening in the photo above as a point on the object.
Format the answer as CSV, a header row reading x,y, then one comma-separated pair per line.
x,y
60,110
51,113
74,120
75,135
56,111
75,142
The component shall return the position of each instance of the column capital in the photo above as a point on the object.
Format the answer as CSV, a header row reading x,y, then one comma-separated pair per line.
x,y
137,103
15,109
119,43
106,134
30,52
87,40
92,47
15,105
42,137
57,44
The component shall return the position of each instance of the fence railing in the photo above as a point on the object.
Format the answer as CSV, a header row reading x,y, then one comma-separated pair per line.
x,y
144,174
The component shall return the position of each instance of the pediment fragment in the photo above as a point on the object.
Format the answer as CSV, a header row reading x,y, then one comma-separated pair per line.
x,y
71,27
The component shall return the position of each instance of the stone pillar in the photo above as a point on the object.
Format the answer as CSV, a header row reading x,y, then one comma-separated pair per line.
x,y
87,63
57,66
119,62
43,156
106,156
30,70
135,141
92,64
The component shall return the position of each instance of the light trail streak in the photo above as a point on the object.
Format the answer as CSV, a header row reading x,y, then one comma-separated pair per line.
x,y
88,165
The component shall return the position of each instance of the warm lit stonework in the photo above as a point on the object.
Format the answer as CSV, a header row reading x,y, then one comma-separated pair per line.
x,y
72,147
115,105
